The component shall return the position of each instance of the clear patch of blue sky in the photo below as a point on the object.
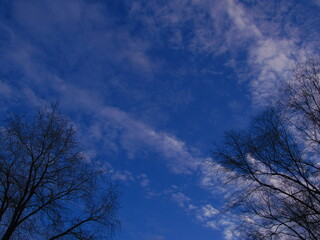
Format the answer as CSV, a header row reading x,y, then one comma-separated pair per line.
x,y
149,85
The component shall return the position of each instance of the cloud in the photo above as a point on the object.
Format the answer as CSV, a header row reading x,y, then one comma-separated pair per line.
x,y
63,35
144,180
239,18
274,61
135,135
273,44
266,45
207,211
271,56
214,28
206,214
181,199
124,176
127,177
46,53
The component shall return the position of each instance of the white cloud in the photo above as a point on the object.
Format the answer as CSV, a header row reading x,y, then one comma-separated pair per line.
x,y
181,199
239,17
212,224
205,214
271,57
136,135
144,180
274,61
230,26
127,178
216,27
124,176
207,211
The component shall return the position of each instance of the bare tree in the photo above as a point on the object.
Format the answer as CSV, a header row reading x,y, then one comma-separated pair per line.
x,y
301,100
273,166
48,188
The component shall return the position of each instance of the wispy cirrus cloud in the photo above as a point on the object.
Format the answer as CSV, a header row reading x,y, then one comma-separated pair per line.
x,y
74,34
209,216
271,43
200,27
132,134
271,55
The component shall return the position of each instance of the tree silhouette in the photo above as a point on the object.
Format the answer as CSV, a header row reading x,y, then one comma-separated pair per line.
x,y
48,188
274,164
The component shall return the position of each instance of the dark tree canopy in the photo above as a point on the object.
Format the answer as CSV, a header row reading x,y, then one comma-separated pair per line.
x,y
274,164
48,188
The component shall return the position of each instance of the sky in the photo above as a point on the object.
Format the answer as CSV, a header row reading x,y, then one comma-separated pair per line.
x,y
150,86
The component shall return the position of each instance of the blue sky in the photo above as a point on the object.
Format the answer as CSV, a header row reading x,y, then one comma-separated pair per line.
x,y
150,85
